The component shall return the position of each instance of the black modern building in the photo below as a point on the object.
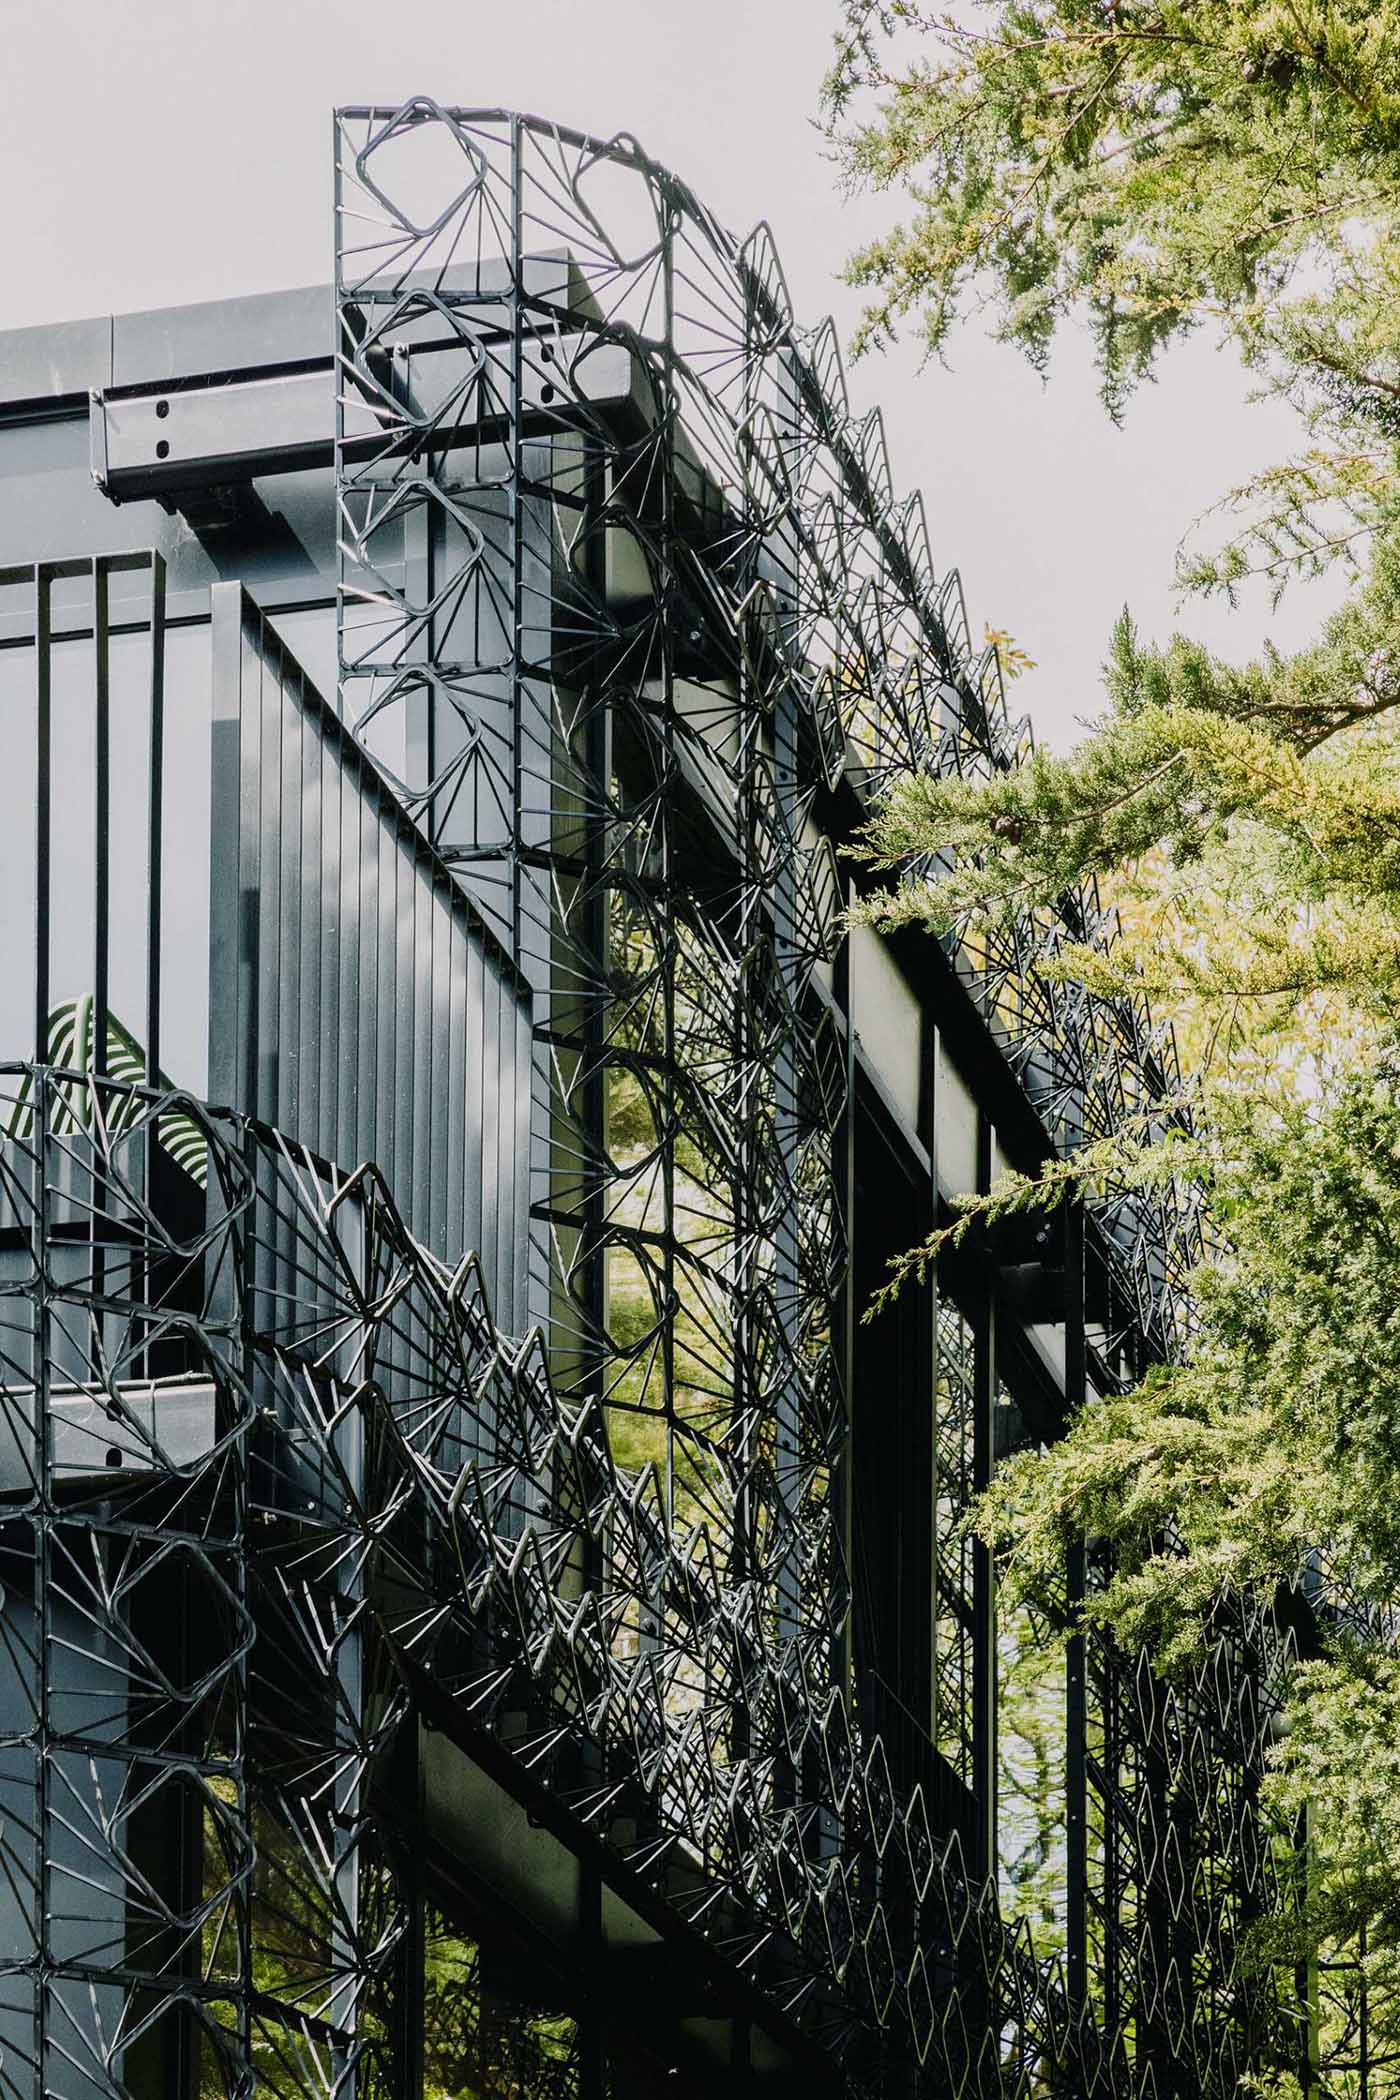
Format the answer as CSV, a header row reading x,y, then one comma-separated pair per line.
x,y
482,1613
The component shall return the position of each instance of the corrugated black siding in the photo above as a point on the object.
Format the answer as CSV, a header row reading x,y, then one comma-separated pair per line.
x,y
357,1000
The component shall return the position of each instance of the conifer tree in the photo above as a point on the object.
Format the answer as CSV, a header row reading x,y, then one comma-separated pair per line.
x,y
1152,169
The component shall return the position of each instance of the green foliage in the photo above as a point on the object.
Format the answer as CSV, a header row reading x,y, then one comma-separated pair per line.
x,y
72,1048
1149,164
1031,1835
1282,1429
1156,168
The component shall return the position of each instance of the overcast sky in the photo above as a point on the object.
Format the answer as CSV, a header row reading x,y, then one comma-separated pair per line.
x,y
157,151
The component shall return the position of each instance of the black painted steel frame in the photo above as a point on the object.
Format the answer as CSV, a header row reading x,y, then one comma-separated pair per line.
x,y
627,774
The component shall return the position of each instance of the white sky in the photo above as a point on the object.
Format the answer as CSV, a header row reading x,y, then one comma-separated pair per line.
x,y
157,151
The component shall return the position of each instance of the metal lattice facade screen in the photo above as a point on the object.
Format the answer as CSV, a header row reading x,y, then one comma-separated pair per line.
x,y
482,1614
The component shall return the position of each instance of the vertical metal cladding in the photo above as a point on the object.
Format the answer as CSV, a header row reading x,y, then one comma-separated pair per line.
x,y
357,1000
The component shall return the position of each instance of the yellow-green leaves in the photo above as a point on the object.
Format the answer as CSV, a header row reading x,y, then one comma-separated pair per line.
x,y
1150,166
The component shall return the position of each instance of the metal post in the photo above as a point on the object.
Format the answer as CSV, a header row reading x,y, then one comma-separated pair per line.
x,y
156,835
43,799
101,815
